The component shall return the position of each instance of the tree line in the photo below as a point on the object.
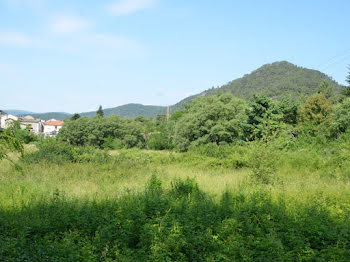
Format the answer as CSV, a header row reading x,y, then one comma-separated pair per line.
x,y
219,119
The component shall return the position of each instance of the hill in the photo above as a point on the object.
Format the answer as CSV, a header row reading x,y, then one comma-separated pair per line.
x,y
131,110
17,112
51,115
277,80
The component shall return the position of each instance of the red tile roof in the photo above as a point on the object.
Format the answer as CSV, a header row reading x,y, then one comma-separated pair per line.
x,y
54,123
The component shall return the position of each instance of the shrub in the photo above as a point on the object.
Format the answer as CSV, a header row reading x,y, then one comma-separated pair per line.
x,y
55,151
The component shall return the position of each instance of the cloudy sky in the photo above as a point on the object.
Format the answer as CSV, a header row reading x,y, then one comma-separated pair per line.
x,y
75,55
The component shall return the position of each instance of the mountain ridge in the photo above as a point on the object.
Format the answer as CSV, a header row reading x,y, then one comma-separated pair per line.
x,y
276,80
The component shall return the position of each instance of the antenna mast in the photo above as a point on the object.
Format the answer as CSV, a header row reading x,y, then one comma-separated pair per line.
x,y
168,113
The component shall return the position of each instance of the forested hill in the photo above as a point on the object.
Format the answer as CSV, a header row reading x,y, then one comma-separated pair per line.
x,y
131,110
128,110
52,115
277,80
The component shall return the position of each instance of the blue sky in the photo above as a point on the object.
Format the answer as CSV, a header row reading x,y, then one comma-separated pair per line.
x,y
75,55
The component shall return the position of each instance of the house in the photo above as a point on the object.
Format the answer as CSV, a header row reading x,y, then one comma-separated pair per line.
x,y
52,127
6,120
35,125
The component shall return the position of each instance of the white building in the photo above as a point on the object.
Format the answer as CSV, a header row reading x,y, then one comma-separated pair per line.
x,y
52,127
35,125
6,120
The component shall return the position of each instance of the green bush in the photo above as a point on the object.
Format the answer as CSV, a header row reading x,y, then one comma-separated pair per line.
x,y
54,151
158,141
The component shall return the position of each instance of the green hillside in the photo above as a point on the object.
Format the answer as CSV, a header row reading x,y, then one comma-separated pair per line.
x,y
131,110
277,80
17,112
52,115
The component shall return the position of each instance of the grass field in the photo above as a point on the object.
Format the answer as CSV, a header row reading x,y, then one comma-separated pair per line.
x,y
166,206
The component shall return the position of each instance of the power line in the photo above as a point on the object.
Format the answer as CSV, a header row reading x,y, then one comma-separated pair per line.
x,y
335,59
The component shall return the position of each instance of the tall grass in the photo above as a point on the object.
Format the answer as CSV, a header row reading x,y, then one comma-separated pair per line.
x,y
203,205
181,223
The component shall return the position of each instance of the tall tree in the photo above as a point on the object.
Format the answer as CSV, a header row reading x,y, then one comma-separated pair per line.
x,y
315,114
326,89
75,116
346,89
264,118
100,111
214,119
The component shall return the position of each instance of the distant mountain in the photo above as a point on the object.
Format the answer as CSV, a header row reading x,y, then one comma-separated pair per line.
x,y
277,80
52,115
17,112
131,111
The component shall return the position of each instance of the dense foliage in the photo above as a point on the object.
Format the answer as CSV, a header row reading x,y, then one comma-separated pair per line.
x,y
103,132
219,119
215,119
11,140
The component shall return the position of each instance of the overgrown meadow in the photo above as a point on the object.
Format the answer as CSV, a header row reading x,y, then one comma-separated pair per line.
x,y
232,182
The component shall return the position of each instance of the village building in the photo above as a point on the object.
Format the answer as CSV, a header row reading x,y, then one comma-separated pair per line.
x,y
34,125
6,120
52,127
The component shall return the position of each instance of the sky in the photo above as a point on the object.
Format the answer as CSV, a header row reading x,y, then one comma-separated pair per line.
x,y
72,56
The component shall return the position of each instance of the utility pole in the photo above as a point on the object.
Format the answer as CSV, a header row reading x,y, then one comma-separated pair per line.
x,y
168,114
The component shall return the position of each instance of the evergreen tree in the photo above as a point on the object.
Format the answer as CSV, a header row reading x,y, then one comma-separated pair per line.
x,y
100,111
348,77
264,117
75,116
315,114
346,91
326,89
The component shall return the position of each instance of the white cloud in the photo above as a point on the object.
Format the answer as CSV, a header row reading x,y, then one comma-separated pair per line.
x,y
68,25
15,39
124,7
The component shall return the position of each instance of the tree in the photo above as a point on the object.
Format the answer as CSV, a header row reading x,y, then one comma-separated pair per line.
x,y
289,110
346,89
75,116
100,112
9,141
214,119
326,89
341,121
97,130
264,118
315,115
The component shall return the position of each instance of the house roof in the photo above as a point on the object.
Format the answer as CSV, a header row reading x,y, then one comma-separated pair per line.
x,y
53,123
29,119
